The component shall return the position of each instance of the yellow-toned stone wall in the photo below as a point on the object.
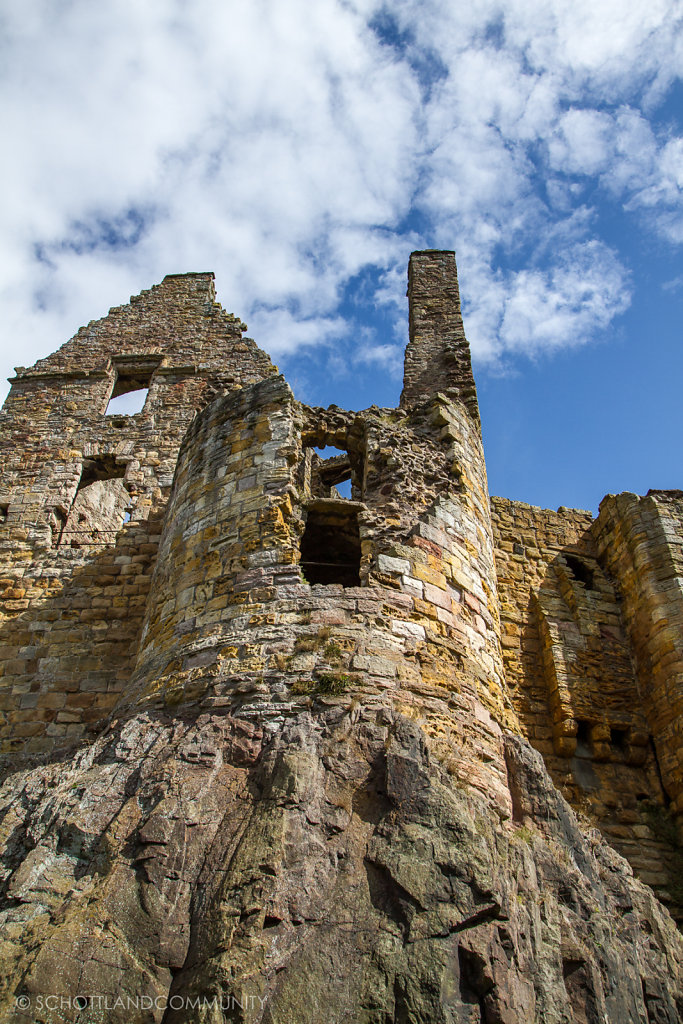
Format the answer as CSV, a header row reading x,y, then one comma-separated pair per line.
x,y
75,560
69,634
475,616
641,541
570,670
233,623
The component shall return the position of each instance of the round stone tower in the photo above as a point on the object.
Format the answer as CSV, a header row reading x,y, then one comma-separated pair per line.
x,y
272,592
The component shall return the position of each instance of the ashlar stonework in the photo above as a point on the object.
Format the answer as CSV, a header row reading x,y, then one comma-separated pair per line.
x,y
273,755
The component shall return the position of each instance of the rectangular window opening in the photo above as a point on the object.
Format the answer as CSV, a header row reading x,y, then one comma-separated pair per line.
x,y
131,387
128,404
584,739
330,545
331,473
99,506
618,738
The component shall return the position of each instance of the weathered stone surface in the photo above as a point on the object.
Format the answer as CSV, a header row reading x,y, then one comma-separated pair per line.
x,y
593,663
329,870
269,753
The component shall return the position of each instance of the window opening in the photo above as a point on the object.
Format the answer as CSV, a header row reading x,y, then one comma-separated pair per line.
x,y
580,571
330,545
334,468
584,742
330,473
4,509
618,738
127,404
131,387
98,510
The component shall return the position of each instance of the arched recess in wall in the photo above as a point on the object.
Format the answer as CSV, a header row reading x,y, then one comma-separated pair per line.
x,y
99,508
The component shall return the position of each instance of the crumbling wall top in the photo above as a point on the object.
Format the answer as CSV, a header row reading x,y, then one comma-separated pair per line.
x,y
178,319
437,357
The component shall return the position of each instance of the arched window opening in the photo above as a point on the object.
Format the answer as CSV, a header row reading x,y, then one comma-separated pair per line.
x,y
330,545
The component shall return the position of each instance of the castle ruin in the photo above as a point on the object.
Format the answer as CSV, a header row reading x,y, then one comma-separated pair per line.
x,y
272,754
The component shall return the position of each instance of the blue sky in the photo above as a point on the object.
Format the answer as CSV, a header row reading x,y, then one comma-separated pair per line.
x,y
303,151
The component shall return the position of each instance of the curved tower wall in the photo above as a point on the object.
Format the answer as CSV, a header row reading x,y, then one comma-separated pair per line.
x,y
233,621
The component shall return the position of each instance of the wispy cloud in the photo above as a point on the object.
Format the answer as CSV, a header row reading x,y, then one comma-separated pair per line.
x,y
292,147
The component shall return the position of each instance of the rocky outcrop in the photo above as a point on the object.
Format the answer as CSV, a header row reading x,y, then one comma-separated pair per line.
x,y
200,870
265,747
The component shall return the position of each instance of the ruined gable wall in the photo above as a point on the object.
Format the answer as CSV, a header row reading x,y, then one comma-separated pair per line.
x,y
177,337
73,591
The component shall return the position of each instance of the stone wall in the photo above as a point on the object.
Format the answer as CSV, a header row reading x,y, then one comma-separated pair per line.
x,y
641,541
82,495
233,621
437,357
570,668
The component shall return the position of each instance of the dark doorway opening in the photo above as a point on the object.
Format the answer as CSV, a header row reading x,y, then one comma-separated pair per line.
x,y
580,571
330,545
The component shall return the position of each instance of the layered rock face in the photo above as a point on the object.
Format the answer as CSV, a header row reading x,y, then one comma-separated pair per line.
x,y
201,869
306,793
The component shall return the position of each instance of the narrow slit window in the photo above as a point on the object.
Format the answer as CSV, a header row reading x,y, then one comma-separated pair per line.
x,y
618,738
330,545
584,740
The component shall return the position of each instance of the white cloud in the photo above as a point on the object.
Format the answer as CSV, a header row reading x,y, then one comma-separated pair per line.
x,y
288,146
567,303
581,144
281,333
382,356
